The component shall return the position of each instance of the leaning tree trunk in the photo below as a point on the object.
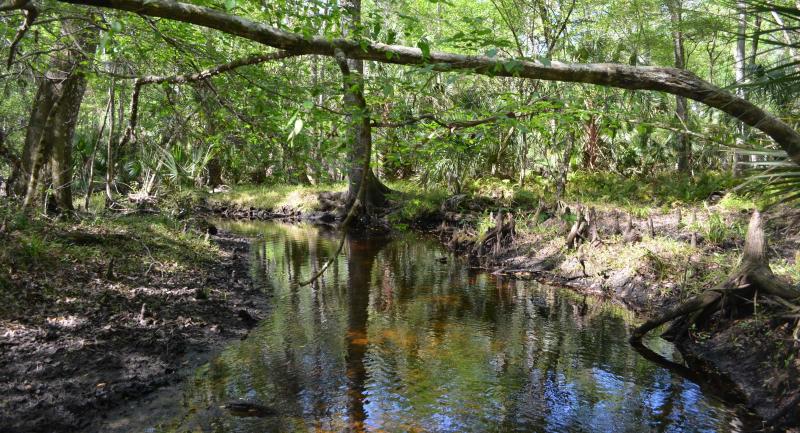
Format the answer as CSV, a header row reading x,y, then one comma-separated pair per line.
x,y
46,96
670,80
752,277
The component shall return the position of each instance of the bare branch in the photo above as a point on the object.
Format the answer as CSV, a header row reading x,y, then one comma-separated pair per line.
x,y
452,124
29,12
187,78
208,73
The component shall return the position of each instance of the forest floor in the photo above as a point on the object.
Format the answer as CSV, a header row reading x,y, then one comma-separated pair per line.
x,y
647,271
98,311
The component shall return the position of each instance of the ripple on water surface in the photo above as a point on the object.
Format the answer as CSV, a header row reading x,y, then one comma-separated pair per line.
x,y
392,338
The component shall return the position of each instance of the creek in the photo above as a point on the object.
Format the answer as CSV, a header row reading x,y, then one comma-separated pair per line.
x,y
401,336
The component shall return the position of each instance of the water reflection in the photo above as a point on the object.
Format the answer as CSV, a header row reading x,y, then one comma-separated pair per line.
x,y
399,336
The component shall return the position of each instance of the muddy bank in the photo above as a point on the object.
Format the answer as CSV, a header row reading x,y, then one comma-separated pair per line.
x,y
651,264
647,263
87,336
327,208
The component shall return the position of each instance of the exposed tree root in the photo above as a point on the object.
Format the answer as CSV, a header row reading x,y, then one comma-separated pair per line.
x,y
752,277
579,230
497,238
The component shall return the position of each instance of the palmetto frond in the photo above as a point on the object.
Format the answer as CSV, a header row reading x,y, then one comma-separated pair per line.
x,y
773,175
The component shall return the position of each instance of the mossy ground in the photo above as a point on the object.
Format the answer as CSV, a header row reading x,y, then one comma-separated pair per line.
x,y
304,198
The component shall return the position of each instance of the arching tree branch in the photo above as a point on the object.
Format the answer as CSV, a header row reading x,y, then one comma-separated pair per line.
x,y
188,78
669,80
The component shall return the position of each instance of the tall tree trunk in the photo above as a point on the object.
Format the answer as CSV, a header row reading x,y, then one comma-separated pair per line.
x,y
739,75
109,111
110,151
46,97
755,40
684,146
360,136
214,167
40,150
563,165
591,146
788,40
62,128
49,136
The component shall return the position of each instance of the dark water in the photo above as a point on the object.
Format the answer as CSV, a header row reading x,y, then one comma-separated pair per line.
x,y
400,336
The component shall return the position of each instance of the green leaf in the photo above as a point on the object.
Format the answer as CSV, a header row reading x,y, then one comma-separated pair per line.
x,y
230,5
492,52
512,66
298,126
425,47
116,26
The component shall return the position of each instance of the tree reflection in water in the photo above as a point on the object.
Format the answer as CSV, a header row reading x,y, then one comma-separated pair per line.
x,y
392,339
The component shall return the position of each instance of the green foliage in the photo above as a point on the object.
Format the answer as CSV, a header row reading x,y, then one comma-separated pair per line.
x,y
485,223
526,199
282,123
658,189
33,248
418,208
717,229
737,203
499,189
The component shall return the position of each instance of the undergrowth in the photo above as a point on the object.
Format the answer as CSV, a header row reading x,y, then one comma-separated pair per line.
x,y
274,197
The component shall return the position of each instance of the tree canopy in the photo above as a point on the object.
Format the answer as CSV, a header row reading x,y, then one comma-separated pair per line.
x,y
489,88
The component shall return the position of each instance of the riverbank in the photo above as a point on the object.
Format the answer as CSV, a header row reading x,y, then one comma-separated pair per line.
x,y
99,311
652,266
645,257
